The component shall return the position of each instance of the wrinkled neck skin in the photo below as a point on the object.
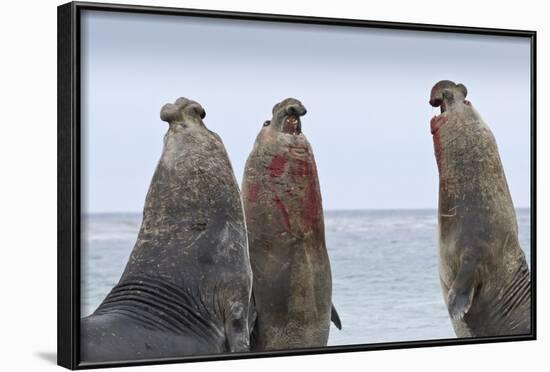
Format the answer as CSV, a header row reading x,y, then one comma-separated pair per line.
x,y
281,187
466,151
475,205
285,179
472,184
193,219
182,181
270,141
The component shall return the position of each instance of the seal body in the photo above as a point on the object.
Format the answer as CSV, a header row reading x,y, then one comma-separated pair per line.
x,y
187,285
284,215
483,272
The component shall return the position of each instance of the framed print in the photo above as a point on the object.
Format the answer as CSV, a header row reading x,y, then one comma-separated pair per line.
x,y
239,185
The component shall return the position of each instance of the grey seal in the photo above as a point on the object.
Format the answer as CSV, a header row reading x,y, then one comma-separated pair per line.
x,y
187,285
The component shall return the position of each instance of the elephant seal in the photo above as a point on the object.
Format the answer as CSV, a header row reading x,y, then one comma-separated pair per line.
x,y
187,285
483,271
292,287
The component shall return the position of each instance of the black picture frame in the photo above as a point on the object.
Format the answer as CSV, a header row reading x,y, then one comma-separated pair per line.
x,y
69,180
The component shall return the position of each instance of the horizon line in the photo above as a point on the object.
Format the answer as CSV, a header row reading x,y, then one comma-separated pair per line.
x,y
324,210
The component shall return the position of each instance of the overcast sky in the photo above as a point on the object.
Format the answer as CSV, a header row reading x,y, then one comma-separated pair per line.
x,y
366,92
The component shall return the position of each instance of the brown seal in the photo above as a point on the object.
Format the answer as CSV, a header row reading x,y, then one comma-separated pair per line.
x,y
282,200
483,271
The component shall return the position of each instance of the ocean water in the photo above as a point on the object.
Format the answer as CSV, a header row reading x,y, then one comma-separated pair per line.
x,y
384,270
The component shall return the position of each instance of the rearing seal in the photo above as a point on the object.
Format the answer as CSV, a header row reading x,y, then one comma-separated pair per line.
x,y
187,285
483,271
282,200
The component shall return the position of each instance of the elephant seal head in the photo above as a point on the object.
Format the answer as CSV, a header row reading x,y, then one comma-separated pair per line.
x,y
286,116
448,96
183,111
446,93
187,132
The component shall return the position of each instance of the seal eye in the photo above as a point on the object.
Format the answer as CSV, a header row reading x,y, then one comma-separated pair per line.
x,y
448,95
266,123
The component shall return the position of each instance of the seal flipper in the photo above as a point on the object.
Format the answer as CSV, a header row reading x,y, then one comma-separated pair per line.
x,y
461,293
236,329
335,318
459,303
252,317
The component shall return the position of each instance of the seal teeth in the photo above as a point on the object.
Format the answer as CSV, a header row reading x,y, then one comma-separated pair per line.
x,y
292,125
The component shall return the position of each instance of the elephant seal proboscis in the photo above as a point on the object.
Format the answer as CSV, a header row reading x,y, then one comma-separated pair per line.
x,y
282,200
187,285
483,271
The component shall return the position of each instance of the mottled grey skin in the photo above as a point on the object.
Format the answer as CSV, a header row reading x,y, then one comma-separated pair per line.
x,y
187,285
484,275
292,280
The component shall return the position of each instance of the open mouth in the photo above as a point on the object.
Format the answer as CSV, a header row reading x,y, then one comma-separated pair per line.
x,y
292,125
438,120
